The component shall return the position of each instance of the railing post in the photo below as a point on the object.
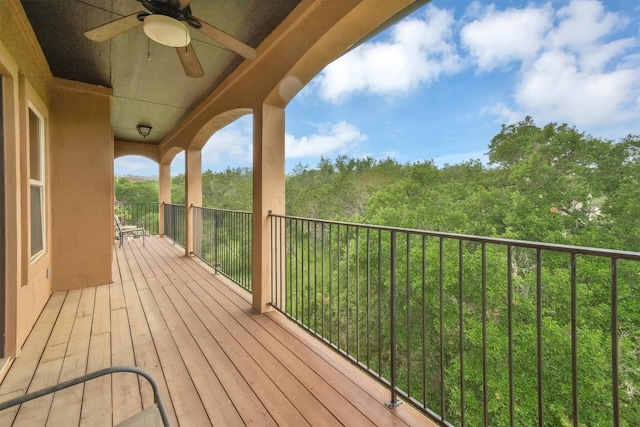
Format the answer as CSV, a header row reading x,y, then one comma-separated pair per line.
x,y
216,259
392,318
164,193
165,219
196,230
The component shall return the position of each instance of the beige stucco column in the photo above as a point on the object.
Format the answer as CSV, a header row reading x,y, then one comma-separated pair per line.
x,y
81,187
192,197
268,194
164,190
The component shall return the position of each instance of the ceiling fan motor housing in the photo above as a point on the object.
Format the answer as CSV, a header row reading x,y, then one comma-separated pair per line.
x,y
170,9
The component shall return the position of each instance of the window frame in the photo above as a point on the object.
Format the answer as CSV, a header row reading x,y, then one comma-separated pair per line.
x,y
37,183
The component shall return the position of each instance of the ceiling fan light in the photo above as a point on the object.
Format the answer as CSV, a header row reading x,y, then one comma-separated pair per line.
x,y
166,30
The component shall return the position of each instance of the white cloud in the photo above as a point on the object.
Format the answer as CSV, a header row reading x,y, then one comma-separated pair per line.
x,y
582,77
556,89
572,64
497,38
329,139
419,52
135,165
582,24
232,144
598,58
177,164
503,113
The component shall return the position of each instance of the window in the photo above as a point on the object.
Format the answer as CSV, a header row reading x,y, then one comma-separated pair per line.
x,y
37,183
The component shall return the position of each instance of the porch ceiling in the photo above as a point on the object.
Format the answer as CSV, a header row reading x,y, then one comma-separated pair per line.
x,y
148,81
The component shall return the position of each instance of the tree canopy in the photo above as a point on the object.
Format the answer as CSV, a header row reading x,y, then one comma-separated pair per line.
x,y
551,183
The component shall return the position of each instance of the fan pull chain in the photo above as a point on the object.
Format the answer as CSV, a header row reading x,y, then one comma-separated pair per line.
x,y
148,49
186,39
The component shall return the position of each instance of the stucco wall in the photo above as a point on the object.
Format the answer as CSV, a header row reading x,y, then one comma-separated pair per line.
x,y
79,179
26,81
81,186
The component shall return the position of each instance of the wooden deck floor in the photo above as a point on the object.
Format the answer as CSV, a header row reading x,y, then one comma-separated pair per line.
x,y
216,361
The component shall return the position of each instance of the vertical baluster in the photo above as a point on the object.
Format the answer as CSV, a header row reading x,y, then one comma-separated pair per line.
x,y
297,252
574,340
290,253
315,276
322,273
392,319
441,311
338,282
368,315
485,392
461,326
379,302
357,297
424,321
309,262
274,262
539,337
614,343
510,331
331,283
347,286
407,281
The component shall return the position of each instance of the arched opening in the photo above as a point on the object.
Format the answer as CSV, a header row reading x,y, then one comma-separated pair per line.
x,y
227,166
136,192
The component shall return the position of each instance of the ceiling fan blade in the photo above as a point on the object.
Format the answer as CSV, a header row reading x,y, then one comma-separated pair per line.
x,y
113,28
226,40
190,61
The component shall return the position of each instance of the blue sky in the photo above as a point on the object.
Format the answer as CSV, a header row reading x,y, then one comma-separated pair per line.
x,y
439,84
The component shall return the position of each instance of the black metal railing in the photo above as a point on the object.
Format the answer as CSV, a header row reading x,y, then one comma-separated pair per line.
x,y
474,331
141,214
174,225
223,241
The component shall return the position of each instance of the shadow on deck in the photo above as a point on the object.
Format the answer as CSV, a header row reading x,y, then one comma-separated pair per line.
x,y
216,361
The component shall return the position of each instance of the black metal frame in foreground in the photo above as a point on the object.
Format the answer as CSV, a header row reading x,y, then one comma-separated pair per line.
x,y
75,381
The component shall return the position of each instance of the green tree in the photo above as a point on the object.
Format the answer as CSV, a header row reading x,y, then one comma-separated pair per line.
x,y
135,191
177,189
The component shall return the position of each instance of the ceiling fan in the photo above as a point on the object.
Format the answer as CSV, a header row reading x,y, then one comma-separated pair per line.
x,y
168,24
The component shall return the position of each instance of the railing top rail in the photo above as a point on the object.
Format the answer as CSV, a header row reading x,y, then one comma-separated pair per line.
x,y
578,250
221,210
117,203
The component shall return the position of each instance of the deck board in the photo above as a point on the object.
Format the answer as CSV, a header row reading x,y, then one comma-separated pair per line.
x,y
96,405
67,404
216,361
48,371
126,391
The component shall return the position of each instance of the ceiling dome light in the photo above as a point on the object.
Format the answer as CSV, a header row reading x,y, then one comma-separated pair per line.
x,y
166,30
144,130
